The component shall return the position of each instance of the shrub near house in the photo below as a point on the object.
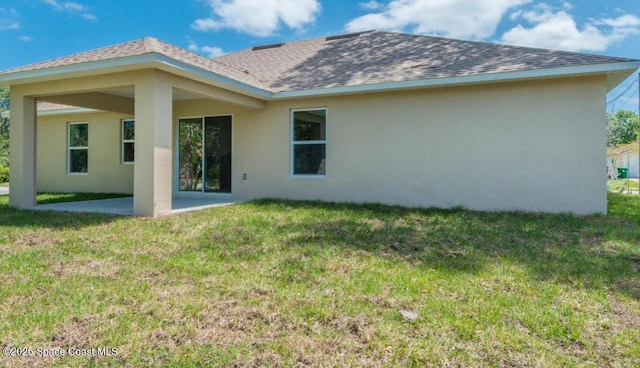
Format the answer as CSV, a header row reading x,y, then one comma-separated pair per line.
x,y
4,159
4,174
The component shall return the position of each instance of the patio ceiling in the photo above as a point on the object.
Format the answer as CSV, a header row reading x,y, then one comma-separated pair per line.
x,y
117,100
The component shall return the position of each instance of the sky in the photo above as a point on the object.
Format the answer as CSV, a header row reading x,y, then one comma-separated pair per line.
x,y
38,30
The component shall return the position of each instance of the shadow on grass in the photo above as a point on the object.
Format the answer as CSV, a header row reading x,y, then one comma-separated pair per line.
x,y
11,217
591,251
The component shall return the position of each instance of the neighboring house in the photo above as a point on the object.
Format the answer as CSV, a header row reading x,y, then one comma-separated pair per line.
x,y
367,117
624,157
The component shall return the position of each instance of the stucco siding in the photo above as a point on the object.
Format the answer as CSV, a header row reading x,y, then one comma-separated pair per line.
x,y
536,146
105,171
532,146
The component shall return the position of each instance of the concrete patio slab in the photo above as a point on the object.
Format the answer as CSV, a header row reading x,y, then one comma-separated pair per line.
x,y
124,206
4,191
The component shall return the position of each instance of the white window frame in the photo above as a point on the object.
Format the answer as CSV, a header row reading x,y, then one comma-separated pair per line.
x,y
299,143
124,141
77,148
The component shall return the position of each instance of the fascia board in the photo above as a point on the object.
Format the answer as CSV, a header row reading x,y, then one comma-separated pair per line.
x,y
77,110
72,110
132,63
465,80
208,77
81,68
171,65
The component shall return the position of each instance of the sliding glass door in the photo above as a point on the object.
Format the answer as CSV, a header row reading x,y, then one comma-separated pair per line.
x,y
204,154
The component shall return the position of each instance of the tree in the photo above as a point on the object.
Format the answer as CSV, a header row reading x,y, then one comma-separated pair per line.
x,y
622,127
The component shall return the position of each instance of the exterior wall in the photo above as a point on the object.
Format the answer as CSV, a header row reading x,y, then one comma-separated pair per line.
x,y
105,174
532,146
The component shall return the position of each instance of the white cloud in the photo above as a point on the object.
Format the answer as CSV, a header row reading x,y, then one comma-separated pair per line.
x,y
8,19
209,51
258,17
89,16
212,51
193,46
26,39
206,25
71,7
452,18
557,29
624,21
371,5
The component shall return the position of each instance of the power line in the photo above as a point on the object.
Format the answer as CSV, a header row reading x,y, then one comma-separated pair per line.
x,y
623,92
631,96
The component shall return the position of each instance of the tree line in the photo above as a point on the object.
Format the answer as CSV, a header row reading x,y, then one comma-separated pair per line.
x,y
622,127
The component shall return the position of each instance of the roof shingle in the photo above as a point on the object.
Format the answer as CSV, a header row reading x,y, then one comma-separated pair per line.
x,y
380,57
365,58
140,47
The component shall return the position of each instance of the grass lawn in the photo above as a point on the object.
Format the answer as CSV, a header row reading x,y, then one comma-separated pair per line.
x,y
622,185
46,198
278,283
4,184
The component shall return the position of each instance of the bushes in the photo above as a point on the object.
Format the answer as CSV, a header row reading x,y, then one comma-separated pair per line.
x,y
4,174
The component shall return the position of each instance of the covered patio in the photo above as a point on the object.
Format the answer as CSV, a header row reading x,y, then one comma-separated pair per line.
x,y
145,81
124,206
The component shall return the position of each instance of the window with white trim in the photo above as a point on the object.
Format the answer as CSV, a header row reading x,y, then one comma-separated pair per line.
x,y
78,159
128,141
308,142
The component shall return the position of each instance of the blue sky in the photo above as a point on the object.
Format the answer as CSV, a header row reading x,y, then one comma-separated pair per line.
x,y
36,30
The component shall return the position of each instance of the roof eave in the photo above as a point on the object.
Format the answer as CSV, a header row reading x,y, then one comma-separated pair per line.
x,y
68,111
211,78
71,110
151,60
75,70
626,68
162,62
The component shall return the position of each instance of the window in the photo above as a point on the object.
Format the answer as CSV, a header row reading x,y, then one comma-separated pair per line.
x,y
78,148
309,142
128,141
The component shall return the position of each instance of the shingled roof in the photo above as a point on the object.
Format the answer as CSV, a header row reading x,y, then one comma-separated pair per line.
x,y
381,57
357,59
144,46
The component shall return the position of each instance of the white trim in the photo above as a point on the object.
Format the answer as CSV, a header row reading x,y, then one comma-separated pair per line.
x,y
470,79
68,111
76,110
293,143
169,64
211,76
132,63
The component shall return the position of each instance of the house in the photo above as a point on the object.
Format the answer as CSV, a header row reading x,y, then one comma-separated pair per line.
x,y
365,117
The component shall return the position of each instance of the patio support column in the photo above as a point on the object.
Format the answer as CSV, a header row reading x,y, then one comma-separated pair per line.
x,y
152,191
22,155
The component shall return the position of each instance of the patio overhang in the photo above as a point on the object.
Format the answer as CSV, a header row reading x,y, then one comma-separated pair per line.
x,y
147,95
151,61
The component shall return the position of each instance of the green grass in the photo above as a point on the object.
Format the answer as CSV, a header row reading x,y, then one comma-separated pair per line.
x,y
4,184
622,185
47,198
279,283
